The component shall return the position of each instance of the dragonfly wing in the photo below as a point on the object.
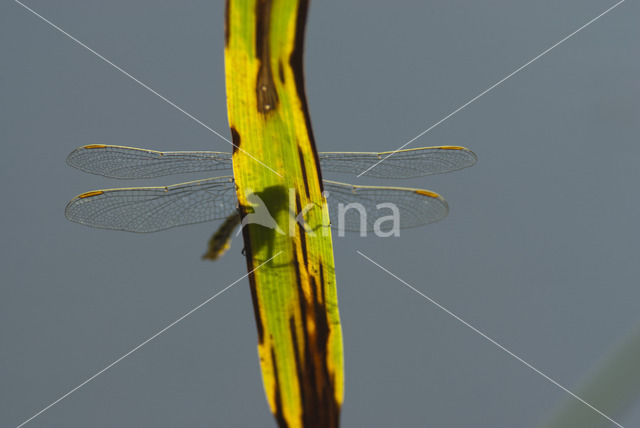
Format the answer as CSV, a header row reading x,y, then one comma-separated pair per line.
x,y
400,164
149,209
414,207
131,162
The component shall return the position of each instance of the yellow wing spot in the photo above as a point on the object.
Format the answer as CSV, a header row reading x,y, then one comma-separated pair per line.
x,y
90,194
427,193
95,146
452,148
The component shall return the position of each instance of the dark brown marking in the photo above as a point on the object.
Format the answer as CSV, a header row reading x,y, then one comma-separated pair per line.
x,y
298,359
263,15
303,233
317,386
304,172
235,139
314,290
265,86
252,279
296,265
227,12
308,381
296,63
279,413
303,245
322,281
281,71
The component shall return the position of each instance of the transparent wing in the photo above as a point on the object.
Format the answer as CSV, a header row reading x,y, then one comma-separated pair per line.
x,y
414,207
401,164
131,162
149,209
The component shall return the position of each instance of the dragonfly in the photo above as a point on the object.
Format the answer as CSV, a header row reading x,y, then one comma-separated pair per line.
x,y
151,209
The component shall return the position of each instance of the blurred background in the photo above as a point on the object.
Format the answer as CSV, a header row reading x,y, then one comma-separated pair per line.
x,y
539,251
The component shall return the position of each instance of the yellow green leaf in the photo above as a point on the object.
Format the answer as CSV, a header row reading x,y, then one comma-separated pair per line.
x,y
275,160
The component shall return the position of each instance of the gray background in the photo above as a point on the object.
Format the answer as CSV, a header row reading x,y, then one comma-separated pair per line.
x,y
539,251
